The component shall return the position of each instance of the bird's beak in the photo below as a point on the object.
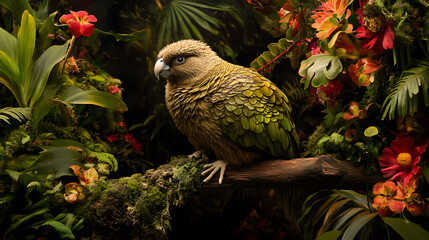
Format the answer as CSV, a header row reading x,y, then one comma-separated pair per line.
x,y
161,69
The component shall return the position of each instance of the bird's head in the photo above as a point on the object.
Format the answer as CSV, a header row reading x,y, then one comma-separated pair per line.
x,y
185,60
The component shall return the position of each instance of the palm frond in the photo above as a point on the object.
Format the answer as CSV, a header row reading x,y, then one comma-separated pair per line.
x,y
20,114
186,19
404,96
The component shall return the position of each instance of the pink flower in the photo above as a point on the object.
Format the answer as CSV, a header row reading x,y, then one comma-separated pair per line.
x,y
400,161
79,23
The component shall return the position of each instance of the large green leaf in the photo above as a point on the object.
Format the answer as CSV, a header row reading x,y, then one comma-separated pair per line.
x,y
42,68
56,161
17,6
8,43
404,96
61,229
26,43
76,95
408,230
319,69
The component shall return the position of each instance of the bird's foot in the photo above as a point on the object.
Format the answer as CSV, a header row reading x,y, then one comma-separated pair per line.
x,y
212,168
199,155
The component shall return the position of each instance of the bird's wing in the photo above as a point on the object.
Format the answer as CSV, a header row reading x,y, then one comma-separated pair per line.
x,y
253,112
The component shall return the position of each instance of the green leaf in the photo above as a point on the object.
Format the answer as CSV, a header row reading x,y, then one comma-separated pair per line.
x,y
8,44
47,28
277,52
404,96
331,235
42,68
26,43
56,161
42,12
319,69
76,95
357,224
27,218
9,74
61,229
370,131
408,230
20,114
17,6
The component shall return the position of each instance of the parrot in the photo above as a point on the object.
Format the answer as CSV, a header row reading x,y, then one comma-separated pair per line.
x,y
223,108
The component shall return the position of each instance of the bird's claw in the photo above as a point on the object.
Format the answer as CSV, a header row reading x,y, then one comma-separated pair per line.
x,y
213,168
199,155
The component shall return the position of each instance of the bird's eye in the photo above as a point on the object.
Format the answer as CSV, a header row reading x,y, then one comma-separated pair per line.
x,y
180,60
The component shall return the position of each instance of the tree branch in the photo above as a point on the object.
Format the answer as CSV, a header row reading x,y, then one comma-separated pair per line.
x,y
322,172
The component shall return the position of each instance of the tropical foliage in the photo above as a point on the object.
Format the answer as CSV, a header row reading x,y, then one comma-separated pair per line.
x,y
356,74
365,64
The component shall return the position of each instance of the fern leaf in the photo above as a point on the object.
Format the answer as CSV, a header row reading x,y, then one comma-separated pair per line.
x,y
269,59
404,96
107,158
20,114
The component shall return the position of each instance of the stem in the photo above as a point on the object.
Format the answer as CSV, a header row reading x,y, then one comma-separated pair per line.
x,y
67,55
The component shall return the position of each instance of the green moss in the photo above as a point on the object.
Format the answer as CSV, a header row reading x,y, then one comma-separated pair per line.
x,y
140,204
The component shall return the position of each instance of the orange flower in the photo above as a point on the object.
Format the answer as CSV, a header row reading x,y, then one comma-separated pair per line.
x,y
74,192
79,23
329,17
363,72
85,177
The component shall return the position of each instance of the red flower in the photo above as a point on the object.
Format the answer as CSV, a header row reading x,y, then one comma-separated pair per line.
x,y
129,138
112,138
113,89
377,30
330,92
400,161
122,125
138,147
79,23
363,72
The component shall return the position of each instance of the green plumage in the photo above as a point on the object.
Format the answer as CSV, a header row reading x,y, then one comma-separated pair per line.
x,y
252,111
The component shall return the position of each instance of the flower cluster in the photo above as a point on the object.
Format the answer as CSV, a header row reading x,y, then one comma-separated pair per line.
x,y
393,198
123,136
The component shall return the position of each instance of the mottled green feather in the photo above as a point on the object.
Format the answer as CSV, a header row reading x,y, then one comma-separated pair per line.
x,y
252,111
